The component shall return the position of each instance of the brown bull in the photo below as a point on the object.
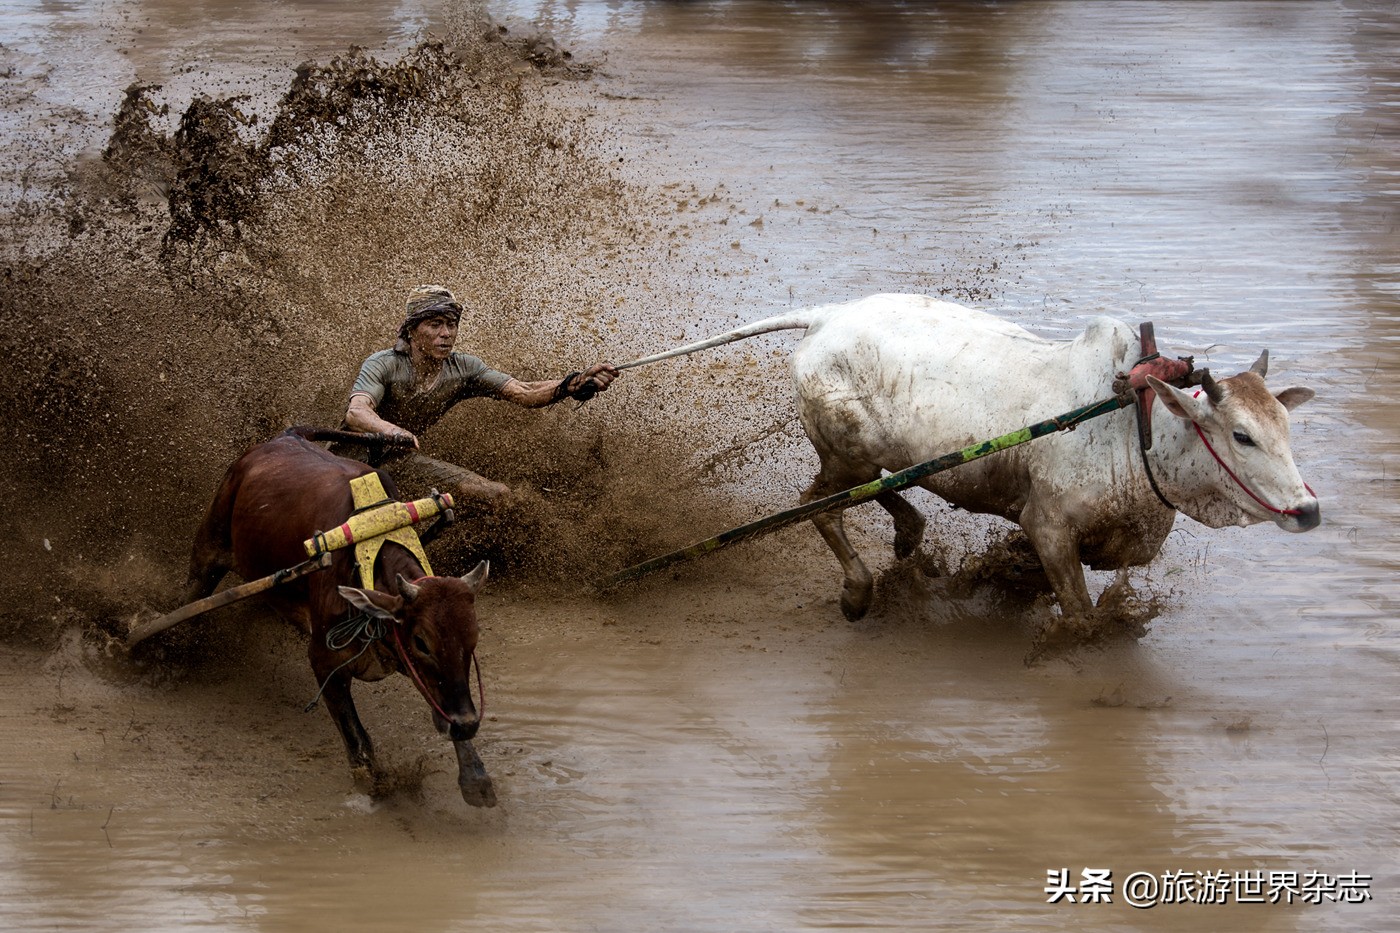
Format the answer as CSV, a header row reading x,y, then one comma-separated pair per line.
x,y
278,495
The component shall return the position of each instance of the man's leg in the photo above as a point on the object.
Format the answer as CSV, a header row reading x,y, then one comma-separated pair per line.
x,y
417,474
475,487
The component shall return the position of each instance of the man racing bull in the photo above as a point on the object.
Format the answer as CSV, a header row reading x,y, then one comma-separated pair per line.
x,y
404,390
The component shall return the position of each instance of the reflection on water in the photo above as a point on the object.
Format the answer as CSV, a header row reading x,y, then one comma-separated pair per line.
x,y
1228,171
889,776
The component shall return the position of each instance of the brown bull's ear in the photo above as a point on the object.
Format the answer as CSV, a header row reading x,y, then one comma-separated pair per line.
x,y
378,604
477,577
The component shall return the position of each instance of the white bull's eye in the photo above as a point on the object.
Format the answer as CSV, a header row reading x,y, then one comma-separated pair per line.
x,y
1243,439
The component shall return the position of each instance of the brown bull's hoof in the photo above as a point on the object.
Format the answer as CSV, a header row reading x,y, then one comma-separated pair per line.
x,y
364,780
479,794
473,781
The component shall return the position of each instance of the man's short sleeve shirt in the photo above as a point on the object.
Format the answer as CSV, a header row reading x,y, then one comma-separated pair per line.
x,y
387,378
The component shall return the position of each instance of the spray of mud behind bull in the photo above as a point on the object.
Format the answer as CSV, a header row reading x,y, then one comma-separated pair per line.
x,y
145,304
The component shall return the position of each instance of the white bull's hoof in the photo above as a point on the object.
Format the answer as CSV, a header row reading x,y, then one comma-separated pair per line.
x,y
856,595
907,538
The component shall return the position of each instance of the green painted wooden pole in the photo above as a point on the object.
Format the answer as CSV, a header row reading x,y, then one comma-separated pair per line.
x,y
906,477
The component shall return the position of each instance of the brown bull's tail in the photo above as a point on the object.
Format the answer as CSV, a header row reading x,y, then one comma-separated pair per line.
x,y
310,433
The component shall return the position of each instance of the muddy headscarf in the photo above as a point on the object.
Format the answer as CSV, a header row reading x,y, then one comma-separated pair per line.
x,y
425,303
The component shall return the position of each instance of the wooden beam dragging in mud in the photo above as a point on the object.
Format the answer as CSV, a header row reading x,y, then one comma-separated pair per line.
x,y
140,631
895,481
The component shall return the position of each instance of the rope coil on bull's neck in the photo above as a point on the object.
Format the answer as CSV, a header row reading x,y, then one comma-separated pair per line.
x,y
357,625
1173,371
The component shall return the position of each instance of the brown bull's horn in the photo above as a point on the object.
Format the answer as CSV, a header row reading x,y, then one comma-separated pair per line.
x,y
1213,390
477,577
1261,365
409,591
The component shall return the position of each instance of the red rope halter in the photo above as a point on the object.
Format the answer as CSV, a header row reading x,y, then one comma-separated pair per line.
x,y
422,687
1231,473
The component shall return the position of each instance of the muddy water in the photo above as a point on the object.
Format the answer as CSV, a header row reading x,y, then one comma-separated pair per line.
x,y
720,750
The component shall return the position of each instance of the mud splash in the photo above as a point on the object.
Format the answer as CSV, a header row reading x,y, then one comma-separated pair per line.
x,y
202,287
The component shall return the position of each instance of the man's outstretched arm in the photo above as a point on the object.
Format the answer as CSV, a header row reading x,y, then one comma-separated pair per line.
x,y
548,391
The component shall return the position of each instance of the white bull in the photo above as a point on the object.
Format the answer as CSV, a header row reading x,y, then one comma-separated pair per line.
x,y
893,380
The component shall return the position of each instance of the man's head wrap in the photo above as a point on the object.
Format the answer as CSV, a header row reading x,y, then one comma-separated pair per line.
x,y
425,303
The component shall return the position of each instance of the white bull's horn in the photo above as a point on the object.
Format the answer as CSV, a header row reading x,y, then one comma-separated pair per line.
x,y
1212,388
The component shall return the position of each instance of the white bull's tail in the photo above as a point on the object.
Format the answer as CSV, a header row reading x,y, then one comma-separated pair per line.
x,y
793,320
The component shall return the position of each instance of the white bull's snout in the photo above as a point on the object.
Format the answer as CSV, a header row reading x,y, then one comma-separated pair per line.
x,y
1301,518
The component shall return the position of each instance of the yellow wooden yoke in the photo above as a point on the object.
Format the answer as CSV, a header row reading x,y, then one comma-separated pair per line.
x,y
378,519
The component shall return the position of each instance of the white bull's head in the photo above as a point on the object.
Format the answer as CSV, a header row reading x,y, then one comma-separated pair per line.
x,y
1233,465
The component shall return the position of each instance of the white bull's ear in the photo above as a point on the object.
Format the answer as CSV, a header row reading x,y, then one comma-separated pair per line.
x,y
1180,403
477,577
1292,398
377,604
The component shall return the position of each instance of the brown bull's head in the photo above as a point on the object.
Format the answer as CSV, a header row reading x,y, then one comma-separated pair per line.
x,y
433,631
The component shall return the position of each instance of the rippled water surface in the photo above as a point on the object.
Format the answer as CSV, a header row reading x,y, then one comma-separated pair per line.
x,y
730,754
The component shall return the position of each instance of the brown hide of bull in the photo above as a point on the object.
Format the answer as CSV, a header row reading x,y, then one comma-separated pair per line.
x,y
279,494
